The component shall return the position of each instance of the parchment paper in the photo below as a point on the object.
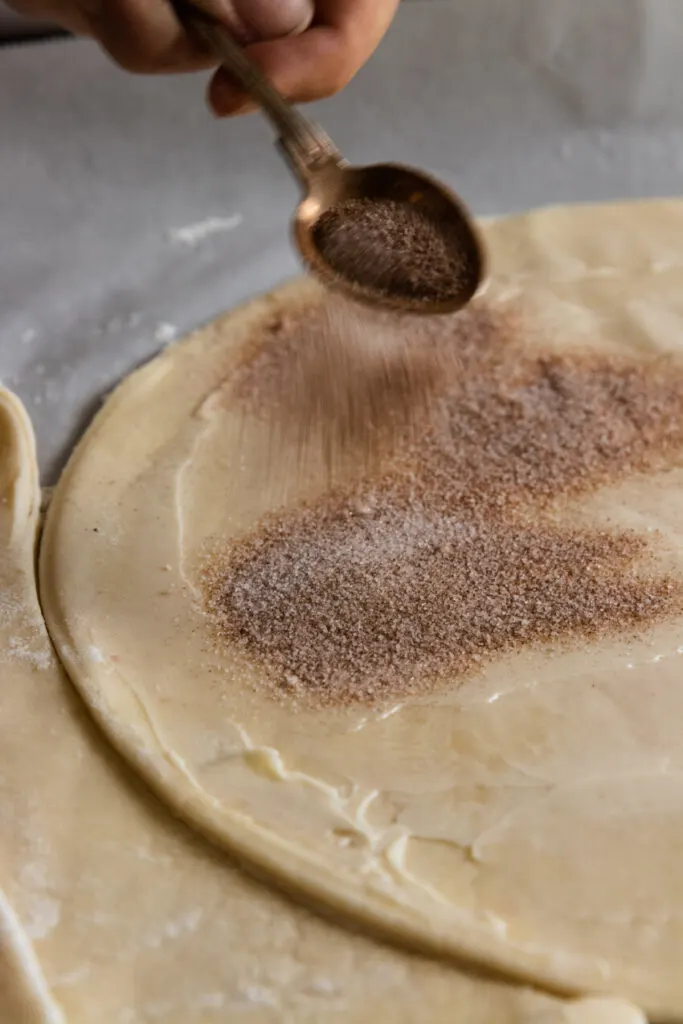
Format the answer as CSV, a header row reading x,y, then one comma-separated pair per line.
x,y
128,215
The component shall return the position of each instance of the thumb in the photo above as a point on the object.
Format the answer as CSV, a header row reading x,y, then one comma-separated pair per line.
x,y
253,20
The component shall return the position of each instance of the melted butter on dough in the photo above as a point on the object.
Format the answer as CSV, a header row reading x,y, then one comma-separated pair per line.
x,y
529,817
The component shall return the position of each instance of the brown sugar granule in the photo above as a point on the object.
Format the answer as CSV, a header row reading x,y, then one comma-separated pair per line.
x,y
391,247
463,547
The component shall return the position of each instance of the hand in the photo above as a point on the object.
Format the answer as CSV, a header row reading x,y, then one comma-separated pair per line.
x,y
309,48
319,62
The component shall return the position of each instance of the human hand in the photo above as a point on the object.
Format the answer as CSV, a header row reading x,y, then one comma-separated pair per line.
x,y
308,48
341,36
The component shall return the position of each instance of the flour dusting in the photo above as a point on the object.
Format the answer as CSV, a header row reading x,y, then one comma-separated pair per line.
x,y
39,657
193,234
165,332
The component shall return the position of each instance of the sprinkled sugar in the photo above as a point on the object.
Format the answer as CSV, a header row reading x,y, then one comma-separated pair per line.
x,y
462,547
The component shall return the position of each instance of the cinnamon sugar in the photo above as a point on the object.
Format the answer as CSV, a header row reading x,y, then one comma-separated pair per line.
x,y
394,248
463,548
342,384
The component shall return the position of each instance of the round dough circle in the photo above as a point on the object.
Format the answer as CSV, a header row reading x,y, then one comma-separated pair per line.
x,y
533,821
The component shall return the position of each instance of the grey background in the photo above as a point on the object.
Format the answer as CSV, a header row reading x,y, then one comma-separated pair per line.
x,y
514,102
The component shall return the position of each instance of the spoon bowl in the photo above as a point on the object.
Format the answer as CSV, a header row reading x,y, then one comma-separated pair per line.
x,y
337,183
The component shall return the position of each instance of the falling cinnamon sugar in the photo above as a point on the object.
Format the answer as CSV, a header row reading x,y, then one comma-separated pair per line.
x,y
345,384
464,548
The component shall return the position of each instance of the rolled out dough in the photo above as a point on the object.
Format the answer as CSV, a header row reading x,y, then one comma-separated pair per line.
x,y
112,910
532,818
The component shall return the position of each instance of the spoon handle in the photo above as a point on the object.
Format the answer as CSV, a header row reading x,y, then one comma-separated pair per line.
x,y
305,145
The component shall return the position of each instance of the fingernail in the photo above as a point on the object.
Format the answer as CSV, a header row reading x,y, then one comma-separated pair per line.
x,y
239,111
226,101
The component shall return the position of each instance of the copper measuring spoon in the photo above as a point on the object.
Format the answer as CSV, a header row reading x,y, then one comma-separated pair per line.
x,y
328,180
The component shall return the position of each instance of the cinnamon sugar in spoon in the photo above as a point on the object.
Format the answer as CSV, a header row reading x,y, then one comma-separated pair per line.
x,y
386,235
